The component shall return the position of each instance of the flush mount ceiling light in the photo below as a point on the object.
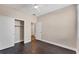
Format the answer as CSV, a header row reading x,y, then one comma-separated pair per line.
x,y
36,6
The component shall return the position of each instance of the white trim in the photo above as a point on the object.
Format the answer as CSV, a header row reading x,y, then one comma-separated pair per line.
x,y
70,48
19,41
11,45
27,41
22,40
77,52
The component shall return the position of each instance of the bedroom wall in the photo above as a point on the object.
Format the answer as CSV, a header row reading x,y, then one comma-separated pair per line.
x,y
16,14
59,27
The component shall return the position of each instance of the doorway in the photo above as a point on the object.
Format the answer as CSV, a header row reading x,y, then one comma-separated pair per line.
x,y
33,31
33,38
19,31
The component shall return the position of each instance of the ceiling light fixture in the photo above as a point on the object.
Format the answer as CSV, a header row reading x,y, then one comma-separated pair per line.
x,y
36,6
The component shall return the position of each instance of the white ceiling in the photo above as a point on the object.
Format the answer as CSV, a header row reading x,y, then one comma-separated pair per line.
x,y
43,8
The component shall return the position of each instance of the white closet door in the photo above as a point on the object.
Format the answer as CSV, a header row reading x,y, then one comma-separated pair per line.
x,y
17,31
39,30
7,32
17,34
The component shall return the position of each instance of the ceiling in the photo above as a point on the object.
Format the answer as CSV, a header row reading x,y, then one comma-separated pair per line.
x,y
43,8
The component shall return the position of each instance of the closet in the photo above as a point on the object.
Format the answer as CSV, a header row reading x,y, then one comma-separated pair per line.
x,y
19,31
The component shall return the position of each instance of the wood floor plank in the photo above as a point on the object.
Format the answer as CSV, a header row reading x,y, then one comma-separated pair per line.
x,y
36,47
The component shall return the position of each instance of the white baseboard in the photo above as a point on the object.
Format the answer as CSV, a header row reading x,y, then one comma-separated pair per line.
x,y
27,41
22,40
18,41
70,48
11,45
8,46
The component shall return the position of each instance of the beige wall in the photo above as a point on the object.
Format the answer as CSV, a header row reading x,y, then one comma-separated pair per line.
x,y
59,27
16,14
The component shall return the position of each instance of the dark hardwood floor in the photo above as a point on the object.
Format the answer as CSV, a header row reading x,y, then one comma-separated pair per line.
x,y
36,47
